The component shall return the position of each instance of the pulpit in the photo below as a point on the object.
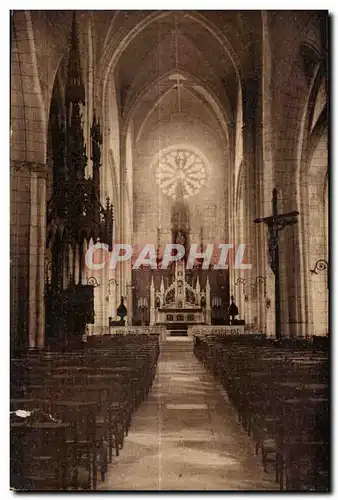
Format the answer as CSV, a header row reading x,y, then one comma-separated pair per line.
x,y
67,314
75,215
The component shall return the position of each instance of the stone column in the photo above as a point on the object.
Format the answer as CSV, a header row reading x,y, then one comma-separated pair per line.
x,y
19,254
268,174
248,216
121,221
28,248
252,180
41,244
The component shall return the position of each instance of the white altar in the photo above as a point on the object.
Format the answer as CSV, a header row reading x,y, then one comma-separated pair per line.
x,y
180,302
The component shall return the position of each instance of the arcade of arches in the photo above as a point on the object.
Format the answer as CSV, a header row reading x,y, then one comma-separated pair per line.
x,y
157,127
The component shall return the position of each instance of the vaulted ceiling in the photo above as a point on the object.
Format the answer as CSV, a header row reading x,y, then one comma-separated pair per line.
x,y
204,53
183,54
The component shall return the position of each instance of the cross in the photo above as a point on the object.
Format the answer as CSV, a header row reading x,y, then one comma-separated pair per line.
x,y
275,223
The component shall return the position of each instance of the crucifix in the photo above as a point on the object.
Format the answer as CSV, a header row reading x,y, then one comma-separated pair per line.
x,y
275,223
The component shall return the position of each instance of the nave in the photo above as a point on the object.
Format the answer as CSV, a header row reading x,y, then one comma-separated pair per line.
x,y
132,131
136,412
186,436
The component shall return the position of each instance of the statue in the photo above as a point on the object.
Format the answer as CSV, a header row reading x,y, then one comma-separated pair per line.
x,y
233,310
122,311
180,238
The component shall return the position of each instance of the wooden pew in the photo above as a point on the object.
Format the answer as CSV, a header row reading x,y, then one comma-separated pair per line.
x,y
93,392
262,380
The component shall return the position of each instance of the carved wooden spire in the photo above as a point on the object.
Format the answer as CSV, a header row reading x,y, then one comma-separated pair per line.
x,y
75,91
75,96
58,141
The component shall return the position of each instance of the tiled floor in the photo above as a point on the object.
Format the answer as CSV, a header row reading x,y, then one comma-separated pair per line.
x,y
186,435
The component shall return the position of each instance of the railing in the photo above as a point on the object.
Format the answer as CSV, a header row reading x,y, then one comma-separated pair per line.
x,y
217,330
138,330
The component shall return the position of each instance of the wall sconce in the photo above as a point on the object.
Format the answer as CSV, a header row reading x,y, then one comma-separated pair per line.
x,y
259,280
92,281
241,281
112,281
321,265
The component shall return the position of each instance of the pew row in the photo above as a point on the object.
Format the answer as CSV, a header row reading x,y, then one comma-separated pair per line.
x,y
281,394
70,412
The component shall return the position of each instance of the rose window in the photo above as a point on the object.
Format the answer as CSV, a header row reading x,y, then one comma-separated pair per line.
x,y
181,165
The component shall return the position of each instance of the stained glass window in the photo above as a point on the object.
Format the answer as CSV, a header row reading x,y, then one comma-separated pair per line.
x,y
181,164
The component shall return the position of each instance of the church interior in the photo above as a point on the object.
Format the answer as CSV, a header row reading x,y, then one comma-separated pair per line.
x,y
169,250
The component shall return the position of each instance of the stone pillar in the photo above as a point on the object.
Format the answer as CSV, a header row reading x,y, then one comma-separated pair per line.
x,y
252,181
120,223
19,254
28,249
41,245
248,189
289,261
268,174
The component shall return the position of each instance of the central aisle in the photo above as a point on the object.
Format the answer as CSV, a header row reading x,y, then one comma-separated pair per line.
x,y
186,435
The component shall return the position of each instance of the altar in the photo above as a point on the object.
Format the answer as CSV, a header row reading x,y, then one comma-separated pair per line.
x,y
179,316
177,294
181,303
